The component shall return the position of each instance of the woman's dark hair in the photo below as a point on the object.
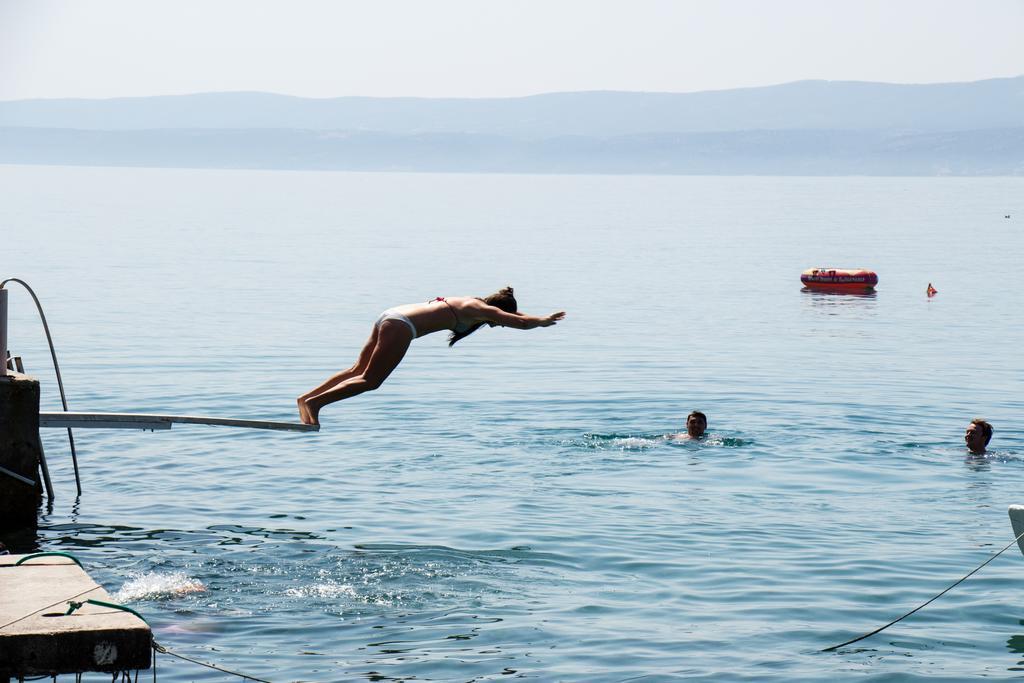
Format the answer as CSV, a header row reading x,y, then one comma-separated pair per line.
x,y
502,299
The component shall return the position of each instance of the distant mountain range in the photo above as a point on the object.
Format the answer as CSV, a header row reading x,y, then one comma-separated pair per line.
x,y
807,128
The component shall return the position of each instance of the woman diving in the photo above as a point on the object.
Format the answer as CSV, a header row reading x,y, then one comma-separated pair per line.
x,y
397,327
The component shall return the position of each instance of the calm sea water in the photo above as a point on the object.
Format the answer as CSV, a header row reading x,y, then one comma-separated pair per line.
x,y
510,507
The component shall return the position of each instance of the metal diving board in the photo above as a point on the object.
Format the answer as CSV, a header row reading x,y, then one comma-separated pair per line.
x,y
145,421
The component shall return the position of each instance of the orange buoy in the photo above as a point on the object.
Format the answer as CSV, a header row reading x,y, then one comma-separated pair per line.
x,y
839,279
931,291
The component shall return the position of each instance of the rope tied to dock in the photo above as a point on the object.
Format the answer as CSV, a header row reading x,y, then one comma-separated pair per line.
x,y
75,606
923,605
62,600
157,647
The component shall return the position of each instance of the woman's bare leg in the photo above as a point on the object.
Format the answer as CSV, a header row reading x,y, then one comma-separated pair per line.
x,y
393,339
339,377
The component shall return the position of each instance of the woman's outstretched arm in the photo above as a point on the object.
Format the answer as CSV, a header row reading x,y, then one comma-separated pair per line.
x,y
519,321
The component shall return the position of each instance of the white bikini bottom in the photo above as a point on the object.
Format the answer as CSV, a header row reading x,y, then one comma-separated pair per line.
x,y
390,314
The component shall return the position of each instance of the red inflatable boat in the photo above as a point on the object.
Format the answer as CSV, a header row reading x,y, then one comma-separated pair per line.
x,y
839,279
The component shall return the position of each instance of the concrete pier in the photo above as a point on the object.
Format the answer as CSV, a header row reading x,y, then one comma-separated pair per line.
x,y
20,452
36,638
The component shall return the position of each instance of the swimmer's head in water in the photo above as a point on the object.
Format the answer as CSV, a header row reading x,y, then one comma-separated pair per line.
x,y
696,424
977,436
502,299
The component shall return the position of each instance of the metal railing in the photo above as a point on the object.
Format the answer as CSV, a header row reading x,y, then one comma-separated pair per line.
x,y
56,368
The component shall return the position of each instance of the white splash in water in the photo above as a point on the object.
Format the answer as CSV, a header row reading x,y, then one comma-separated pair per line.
x,y
322,590
632,443
156,585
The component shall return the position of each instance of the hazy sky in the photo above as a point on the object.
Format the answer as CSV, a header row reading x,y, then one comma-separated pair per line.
x,y
482,48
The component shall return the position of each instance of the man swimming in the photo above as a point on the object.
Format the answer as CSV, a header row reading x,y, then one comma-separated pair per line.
x,y
696,424
977,436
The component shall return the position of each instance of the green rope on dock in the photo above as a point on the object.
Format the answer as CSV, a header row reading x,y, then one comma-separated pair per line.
x,y
49,554
72,606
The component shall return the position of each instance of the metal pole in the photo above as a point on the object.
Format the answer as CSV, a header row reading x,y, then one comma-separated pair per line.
x,y
56,369
3,332
46,473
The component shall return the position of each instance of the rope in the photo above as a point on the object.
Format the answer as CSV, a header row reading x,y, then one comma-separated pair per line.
x,y
157,647
949,588
74,606
63,600
56,368
47,554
